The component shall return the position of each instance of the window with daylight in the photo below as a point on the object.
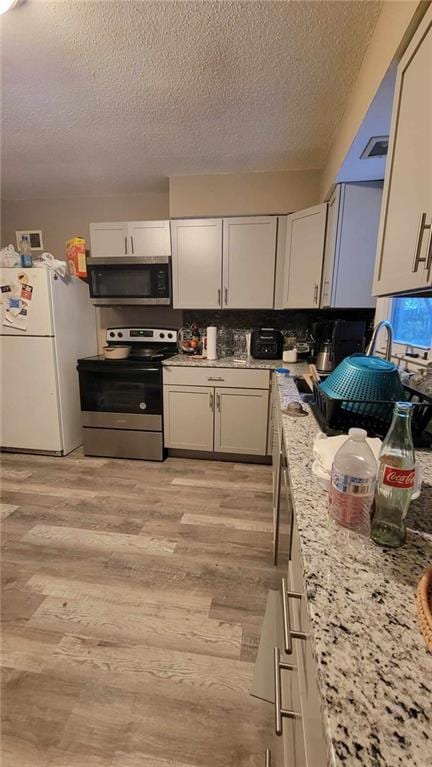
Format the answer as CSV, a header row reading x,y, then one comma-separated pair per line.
x,y
412,321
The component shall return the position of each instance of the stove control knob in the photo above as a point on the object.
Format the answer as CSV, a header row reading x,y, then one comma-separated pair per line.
x,y
119,334
112,334
161,335
170,335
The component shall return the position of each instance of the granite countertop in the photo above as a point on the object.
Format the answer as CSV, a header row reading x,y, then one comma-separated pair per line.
x,y
184,360
375,674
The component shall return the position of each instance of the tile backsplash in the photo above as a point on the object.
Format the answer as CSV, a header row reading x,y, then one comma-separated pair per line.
x,y
227,320
282,320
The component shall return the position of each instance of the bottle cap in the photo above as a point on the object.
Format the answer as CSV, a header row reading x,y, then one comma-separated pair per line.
x,y
357,434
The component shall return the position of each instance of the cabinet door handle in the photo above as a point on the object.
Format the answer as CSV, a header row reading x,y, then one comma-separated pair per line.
x,y
215,378
281,712
218,402
219,297
226,296
132,246
429,251
289,634
418,259
211,403
277,503
315,293
125,246
267,762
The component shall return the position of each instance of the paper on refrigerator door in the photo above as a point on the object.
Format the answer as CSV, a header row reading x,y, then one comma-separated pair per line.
x,y
16,314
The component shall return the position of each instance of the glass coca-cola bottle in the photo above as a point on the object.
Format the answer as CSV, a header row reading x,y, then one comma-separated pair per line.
x,y
395,485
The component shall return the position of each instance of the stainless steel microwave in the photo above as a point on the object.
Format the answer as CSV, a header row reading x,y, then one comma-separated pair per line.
x,y
133,280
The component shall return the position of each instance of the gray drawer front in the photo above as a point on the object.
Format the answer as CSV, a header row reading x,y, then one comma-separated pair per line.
x,y
315,740
288,749
206,376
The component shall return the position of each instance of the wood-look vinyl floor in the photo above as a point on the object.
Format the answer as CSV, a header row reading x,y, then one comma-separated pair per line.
x,y
133,597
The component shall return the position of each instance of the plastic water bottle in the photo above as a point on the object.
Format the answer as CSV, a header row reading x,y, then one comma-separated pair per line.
x,y
352,483
25,251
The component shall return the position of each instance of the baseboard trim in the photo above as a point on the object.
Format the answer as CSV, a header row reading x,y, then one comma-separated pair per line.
x,y
212,456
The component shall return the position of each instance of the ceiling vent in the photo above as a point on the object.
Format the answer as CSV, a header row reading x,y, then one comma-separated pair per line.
x,y
377,146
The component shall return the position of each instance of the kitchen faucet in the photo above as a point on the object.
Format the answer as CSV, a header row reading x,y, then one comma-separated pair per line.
x,y
388,326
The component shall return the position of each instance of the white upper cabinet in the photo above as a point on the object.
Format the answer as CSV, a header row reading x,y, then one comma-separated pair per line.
x,y
304,257
350,246
143,239
149,239
249,255
109,240
197,263
404,254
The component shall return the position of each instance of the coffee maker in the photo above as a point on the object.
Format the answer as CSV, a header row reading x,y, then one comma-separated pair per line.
x,y
335,340
323,349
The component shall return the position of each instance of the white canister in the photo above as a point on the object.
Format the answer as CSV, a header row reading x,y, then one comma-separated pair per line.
x,y
211,343
290,355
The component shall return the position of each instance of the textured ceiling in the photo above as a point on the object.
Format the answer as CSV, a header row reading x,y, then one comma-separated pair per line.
x,y
105,97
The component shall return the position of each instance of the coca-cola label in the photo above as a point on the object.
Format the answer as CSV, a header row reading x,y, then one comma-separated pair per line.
x,y
395,477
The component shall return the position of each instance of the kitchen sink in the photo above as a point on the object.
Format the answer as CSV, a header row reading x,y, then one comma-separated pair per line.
x,y
303,388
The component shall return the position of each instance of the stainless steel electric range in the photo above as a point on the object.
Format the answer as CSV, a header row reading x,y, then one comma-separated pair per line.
x,y
121,399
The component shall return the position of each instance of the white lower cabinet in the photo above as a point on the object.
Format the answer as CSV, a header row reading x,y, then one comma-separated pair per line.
x,y
285,674
241,421
188,417
230,419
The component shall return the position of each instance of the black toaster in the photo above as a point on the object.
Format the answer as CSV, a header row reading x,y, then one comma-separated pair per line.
x,y
266,344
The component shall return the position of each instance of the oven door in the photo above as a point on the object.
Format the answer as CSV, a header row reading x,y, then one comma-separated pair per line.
x,y
118,396
129,280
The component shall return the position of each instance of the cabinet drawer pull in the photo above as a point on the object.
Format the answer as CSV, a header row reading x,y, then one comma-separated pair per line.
x,y
418,259
267,762
226,296
132,246
218,402
289,634
219,297
215,378
281,712
211,402
125,246
315,293
277,500
429,251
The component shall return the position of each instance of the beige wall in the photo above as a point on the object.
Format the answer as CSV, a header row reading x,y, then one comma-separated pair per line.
x,y
63,218
394,28
243,193
60,219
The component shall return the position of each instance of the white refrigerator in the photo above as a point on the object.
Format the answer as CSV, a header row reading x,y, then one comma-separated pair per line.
x,y
44,330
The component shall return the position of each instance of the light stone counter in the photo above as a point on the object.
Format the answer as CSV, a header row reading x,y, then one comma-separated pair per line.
x,y
375,674
184,360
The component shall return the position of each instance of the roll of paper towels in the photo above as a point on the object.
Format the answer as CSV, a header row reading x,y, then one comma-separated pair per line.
x,y
211,343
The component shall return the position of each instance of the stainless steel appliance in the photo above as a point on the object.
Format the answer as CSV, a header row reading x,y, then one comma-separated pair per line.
x,y
266,344
134,280
345,336
121,399
325,358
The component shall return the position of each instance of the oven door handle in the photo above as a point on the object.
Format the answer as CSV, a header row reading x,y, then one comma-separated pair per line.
x,y
108,367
